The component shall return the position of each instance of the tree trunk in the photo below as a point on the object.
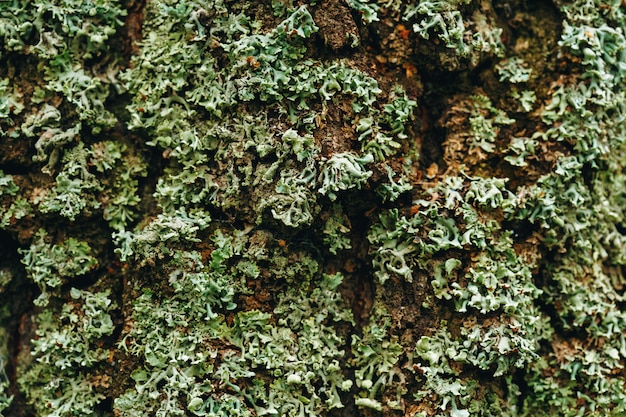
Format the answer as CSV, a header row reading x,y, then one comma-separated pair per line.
x,y
312,208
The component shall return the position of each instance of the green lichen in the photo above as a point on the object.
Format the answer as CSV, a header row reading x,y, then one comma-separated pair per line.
x,y
290,358
252,224
52,265
5,397
64,380
336,230
375,359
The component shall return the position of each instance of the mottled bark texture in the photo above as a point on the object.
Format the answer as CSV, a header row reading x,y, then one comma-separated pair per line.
x,y
312,208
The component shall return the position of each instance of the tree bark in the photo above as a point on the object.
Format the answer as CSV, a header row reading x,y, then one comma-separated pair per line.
x,y
312,208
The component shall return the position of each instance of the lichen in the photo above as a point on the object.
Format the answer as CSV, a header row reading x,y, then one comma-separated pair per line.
x,y
219,208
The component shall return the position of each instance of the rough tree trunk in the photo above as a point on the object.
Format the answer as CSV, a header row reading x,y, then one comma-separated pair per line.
x,y
312,208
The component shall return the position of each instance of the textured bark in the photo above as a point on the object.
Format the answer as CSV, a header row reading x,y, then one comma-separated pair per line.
x,y
341,208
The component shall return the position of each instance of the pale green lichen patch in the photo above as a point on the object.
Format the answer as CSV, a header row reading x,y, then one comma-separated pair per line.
x,y
403,208
64,378
205,356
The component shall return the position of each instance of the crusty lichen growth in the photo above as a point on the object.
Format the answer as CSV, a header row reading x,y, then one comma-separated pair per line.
x,y
304,208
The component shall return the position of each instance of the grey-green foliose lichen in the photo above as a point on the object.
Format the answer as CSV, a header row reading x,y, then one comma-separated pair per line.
x,y
285,208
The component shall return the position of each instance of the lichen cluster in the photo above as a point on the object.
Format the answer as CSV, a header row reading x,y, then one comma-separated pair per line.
x,y
308,208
